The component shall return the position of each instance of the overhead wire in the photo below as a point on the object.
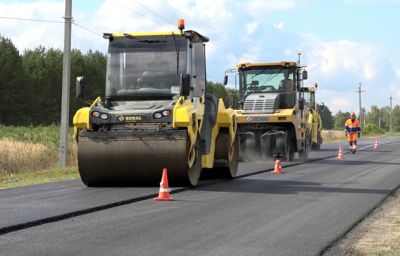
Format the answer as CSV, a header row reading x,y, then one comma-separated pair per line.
x,y
140,14
28,19
214,45
50,21
87,29
215,30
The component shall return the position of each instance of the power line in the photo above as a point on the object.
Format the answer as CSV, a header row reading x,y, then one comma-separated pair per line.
x,y
87,29
28,19
215,30
140,14
155,13
172,24
49,21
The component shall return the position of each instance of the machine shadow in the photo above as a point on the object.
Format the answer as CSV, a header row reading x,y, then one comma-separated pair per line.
x,y
347,161
258,186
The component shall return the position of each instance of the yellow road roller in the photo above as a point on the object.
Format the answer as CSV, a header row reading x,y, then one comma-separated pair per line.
x,y
155,114
272,117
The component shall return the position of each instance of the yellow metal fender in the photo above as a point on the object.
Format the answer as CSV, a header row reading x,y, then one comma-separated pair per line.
x,y
316,127
81,118
185,116
226,118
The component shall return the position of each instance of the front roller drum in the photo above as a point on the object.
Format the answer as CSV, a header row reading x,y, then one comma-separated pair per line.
x,y
127,158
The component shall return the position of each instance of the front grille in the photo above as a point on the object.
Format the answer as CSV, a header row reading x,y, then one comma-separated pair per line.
x,y
259,105
248,105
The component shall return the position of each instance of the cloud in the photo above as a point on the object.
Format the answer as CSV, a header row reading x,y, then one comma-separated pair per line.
x,y
341,64
278,25
28,34
251,27
343,58
397,72
339,103
258,8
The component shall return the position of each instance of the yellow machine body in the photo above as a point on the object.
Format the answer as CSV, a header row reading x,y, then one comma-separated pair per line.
x,y
158,119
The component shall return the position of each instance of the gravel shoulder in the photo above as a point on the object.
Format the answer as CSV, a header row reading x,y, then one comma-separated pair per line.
x,y
378,234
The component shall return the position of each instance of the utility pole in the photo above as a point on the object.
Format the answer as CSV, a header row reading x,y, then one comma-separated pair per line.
x,y
65,85
390,116
359,106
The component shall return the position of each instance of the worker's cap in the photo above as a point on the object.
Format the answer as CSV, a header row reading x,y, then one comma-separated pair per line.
x,y
352,114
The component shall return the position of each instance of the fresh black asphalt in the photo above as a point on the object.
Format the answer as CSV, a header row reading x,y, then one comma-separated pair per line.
x,y
301,212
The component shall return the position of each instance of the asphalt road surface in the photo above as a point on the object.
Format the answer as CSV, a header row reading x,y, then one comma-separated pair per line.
x,y
301,212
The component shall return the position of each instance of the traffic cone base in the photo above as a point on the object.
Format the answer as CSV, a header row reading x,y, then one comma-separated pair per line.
x,y
164,195
340,154
278,167
376,144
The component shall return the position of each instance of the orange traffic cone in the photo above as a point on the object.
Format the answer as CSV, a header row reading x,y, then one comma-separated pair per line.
x,y
163,195
340,155
376,145
278,167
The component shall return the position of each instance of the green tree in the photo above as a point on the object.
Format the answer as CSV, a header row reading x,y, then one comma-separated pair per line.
x,y
12,89
43,70
385,117
340,119
326,116
218,90
92,66
396,118
373,116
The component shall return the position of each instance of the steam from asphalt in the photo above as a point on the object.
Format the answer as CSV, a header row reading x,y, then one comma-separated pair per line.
x,y
248,153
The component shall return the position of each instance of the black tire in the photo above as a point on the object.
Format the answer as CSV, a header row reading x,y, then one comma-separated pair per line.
x,y
229,155
317,146
267,146
242,148
282,148
303,154
195,170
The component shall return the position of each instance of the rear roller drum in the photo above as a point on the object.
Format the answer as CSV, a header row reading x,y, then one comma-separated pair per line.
x,y
194,161
226,154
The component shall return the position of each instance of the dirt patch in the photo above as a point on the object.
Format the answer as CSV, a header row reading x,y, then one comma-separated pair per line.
x,y
379,234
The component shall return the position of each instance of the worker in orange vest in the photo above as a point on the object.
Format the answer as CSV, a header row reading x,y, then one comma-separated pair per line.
x,y
352,131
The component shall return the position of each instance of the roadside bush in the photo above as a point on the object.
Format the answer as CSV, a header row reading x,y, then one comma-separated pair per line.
x,y
31,148
372,129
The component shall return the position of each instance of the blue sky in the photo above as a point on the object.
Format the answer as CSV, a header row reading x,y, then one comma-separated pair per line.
x,y
343,42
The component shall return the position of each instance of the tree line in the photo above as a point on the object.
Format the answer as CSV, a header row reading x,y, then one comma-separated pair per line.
x,y
30,82
30,89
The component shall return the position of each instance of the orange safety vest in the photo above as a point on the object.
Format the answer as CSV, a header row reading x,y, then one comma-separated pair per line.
x,y
352,127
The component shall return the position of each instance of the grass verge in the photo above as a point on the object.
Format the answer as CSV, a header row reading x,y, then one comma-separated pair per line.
x,y
31,148
379,234
37,177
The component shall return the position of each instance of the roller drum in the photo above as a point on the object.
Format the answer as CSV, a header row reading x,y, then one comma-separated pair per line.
x,y
133,158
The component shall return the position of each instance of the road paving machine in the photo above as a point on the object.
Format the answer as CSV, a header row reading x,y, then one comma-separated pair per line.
x,y
155,114
314,121
273,119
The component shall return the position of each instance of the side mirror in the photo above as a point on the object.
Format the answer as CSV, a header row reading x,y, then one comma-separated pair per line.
x,y
225,79
80,86
185,84
301,104
304,75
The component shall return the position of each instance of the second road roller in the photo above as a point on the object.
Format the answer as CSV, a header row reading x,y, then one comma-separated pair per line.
x,y
155,114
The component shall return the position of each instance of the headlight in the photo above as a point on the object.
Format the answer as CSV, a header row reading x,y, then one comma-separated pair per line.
x,y
104,116
166,113
96,114
157,115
